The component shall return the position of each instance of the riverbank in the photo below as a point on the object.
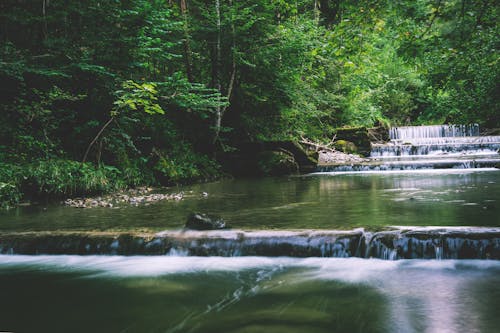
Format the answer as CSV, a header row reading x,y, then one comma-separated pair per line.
x,y
86,185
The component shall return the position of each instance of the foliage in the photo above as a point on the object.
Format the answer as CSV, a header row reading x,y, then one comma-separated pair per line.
x,y
181,165
10,192
65,177
56,178
184,81
137,97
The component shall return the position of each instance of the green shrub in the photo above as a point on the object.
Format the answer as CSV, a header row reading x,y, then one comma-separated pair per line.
x,y
10,192
66,177
184,165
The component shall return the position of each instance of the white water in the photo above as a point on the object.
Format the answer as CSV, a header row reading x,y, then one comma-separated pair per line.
x,y
403,172
428,147
448,140
433,131
351,270
392,244
441,295
439,141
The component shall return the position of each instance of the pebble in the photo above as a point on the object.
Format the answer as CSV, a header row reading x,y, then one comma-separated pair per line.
x,y
134,197
339,158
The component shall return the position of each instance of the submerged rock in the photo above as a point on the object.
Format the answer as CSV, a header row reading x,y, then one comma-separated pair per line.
x,y
199,221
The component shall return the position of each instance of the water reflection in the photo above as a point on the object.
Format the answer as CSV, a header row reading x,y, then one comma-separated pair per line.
x,y
252,294
328,201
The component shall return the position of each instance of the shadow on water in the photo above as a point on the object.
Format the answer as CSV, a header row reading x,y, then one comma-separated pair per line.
x,y
461,198
257,294
246,301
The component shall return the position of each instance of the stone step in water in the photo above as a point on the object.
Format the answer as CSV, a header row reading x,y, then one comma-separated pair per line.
x,y
447,149
430,147
396,243
414,164
427,147
447,140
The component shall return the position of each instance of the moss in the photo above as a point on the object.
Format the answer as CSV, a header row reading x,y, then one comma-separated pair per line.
x,y
357,136
347,147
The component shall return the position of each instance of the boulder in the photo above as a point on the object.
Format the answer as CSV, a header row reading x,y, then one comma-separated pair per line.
x,y
346,147
379,134
199,221
358,136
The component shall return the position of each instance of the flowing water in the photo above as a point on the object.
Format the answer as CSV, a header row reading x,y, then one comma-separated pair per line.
x,y
265,294
247,294
290,224
318,201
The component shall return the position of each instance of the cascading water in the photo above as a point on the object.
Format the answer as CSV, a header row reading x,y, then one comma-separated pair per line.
x,y
430,147
433,131
398,243
436,140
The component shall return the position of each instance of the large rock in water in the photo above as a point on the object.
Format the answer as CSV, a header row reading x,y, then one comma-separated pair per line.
x,y
199,221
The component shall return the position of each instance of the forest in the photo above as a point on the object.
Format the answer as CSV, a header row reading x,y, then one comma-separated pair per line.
x,y
97,96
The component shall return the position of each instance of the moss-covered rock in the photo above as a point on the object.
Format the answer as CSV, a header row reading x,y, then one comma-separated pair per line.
x,y
356,135
347,147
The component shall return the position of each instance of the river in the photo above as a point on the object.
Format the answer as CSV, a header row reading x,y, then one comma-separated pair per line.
x,y
462,197
68,293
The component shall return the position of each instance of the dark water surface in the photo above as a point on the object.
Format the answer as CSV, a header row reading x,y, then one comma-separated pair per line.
x,y
328,201
264,294
247,294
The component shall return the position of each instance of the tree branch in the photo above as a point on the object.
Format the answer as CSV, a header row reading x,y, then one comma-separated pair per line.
x,y
95,139
429,27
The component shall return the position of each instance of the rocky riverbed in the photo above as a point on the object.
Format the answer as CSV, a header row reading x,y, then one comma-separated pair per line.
x,y
138,196
337,157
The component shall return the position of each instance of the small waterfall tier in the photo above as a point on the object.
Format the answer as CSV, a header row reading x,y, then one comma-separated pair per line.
x,y
392,244
429,147
436,140
433,131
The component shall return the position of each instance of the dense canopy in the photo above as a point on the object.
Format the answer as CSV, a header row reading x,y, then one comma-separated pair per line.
x,y
155,91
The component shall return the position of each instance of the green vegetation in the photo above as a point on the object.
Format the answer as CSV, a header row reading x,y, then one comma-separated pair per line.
x,y
100,95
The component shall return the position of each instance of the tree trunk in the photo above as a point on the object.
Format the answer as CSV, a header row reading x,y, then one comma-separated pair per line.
x,y
45,4
316,11
217,71
186,43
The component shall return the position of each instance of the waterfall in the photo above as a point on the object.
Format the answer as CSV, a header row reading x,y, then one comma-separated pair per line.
x,y
398,243
433,131
427,147
460,142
